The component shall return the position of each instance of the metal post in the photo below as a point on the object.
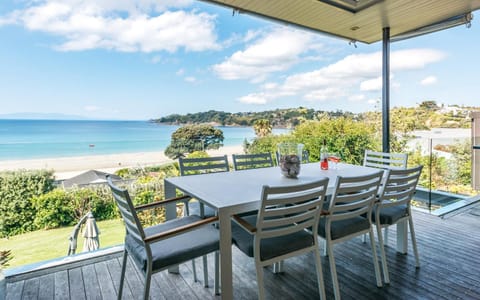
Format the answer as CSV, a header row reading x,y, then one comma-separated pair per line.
x,y
430,175
386,91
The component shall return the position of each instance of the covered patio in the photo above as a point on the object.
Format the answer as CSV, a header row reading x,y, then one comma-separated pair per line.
x,y
448,256
448,247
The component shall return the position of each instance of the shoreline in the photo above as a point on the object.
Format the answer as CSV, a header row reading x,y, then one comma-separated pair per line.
x,y
66,167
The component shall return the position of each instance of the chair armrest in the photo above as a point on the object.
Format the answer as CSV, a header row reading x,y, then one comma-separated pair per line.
x,y
160,203
179,230
247,226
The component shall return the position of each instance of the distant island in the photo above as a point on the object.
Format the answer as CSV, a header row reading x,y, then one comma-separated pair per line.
x,y
427,114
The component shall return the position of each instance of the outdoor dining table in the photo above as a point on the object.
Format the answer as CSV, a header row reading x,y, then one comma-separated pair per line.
x,y
236,192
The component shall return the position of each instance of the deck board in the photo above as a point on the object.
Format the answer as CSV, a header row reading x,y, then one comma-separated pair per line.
x,y
46,284
449,250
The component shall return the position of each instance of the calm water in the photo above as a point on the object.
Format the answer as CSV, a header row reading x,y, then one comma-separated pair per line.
x,y
26,139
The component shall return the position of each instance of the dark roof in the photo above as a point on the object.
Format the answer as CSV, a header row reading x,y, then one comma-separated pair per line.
x,y
89,177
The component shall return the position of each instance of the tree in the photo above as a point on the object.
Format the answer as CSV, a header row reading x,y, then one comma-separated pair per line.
x,y
190,138
262,127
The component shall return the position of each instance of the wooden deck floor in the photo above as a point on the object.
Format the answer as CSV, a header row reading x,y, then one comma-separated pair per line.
x,y
450,269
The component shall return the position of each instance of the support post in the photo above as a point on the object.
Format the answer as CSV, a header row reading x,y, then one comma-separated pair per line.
x,y
386,91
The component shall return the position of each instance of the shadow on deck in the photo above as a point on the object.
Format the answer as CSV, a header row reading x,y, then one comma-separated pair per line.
x,y
449,254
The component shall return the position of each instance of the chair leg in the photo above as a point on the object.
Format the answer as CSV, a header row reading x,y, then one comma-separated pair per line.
x,y
333,271
205,271
386,276
375,258
216,283
364,238
195,279
122,275
318,263
148,279
414,242
261,292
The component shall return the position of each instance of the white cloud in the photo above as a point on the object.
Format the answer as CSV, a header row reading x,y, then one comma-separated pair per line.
x,y
340,80
356,98
142,25
254,99
271,52
91,108
180,72
371,84
429,80
373,101
190,79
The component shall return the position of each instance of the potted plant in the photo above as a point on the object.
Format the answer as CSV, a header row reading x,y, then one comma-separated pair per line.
x,y
5,257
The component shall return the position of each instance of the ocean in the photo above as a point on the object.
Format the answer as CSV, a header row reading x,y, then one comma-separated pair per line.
x,y
30,139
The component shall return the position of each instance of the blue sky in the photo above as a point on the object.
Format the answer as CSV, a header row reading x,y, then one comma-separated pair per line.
x,y
126,59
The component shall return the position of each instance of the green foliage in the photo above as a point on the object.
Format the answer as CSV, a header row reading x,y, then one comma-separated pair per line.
x,y
345,136
289,117
166,170
267,143
262,127
190,138
17,189
97,199
54,209
5,257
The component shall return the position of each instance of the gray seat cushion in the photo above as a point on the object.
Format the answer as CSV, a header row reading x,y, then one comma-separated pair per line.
x,y
177,249
272,247
194,208
390,215
343,228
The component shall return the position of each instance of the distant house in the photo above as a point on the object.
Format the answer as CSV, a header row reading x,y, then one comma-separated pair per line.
x,y
88,178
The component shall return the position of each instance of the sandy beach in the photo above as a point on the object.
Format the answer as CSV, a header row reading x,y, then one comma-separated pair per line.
x,y
66,167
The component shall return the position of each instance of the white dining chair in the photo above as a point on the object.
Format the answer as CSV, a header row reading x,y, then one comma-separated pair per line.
x,y
196,166
286,226
394,205
158,247
385,160
349,216
252,161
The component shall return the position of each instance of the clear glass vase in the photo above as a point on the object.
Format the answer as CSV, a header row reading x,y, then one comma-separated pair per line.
x,y
289,156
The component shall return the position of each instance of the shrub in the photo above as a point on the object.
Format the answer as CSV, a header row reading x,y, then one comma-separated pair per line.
x,y
97,199
54,209
17,189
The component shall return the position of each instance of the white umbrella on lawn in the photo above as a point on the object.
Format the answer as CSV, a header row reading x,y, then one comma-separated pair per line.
x,y
90,233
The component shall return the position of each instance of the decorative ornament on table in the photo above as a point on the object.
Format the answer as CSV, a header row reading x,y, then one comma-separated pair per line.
x,y
289,158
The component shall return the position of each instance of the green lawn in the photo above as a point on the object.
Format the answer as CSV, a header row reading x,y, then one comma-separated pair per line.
x,y
47,244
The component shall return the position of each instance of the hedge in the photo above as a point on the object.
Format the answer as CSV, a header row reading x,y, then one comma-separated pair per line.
x,y
17,189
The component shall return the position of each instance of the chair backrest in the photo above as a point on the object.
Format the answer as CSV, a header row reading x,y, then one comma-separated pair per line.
x,y
354,196
202,165
252,161
289,209
400,185
127,210
305,156
385,160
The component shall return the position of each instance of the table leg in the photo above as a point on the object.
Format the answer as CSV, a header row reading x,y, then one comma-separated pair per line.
x,y
402,237
171,213
226,278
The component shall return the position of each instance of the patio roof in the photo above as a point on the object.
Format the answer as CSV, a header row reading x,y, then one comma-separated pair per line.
x,y
361,20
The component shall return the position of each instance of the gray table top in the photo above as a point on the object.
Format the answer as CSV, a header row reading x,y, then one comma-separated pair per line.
x,y
241,190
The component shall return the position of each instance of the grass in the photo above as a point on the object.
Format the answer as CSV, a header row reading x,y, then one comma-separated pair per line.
x,y
48,244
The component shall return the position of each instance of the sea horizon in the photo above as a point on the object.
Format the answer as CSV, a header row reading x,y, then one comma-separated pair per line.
x,y
24,139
